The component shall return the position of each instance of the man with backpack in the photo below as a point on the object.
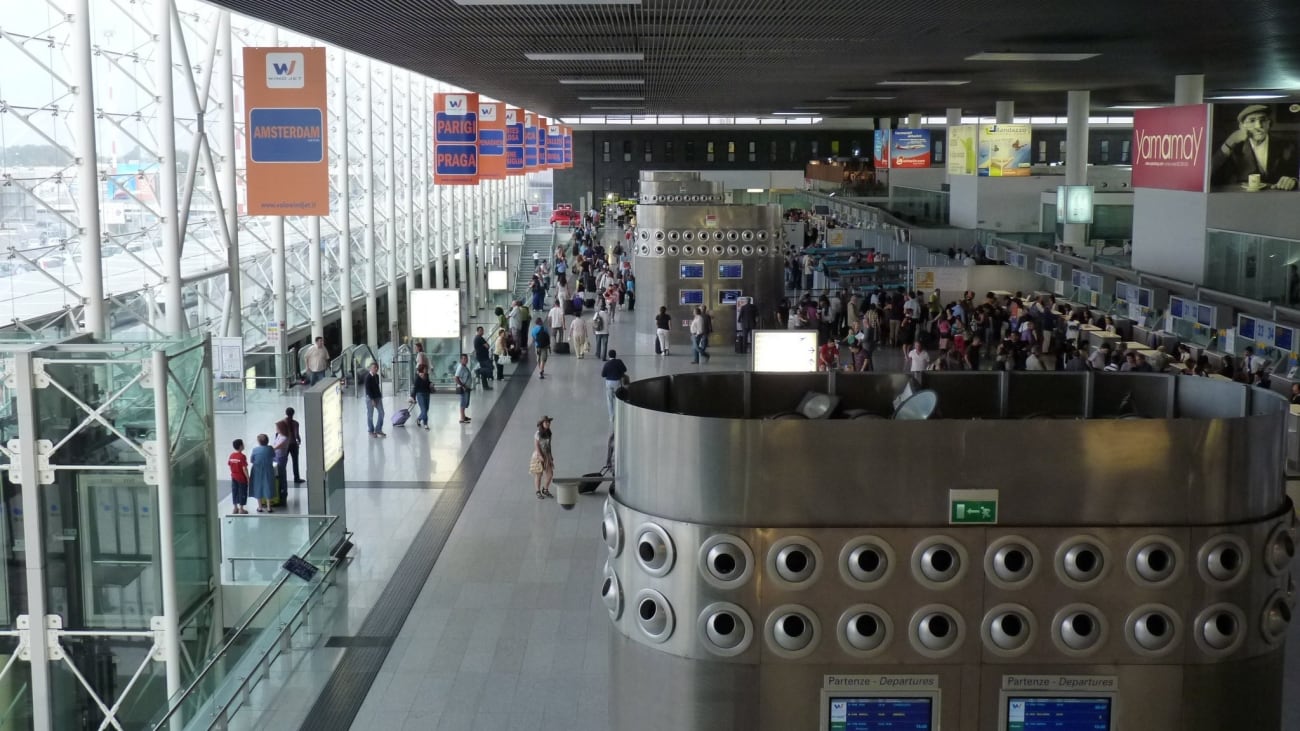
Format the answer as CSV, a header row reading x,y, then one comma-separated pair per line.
x,y
541,341
600,327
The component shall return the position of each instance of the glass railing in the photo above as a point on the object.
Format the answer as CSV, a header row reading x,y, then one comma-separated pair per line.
x,y
254,546
226,676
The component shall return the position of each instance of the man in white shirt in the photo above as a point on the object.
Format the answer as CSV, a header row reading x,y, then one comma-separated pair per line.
x,y
912,306
918,360
556,316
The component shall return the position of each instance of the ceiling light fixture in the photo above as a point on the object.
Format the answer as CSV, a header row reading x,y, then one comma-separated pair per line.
x,y
1247,97
620,108
1133,106
596,56
820,106
547,2
602,81
1008,56
611,98
858,98
927,82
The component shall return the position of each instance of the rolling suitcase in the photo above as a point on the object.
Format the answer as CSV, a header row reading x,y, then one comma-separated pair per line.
x,y
742,343
561,349
401,416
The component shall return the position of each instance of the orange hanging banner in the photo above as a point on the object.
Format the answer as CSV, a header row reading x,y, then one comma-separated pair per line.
x,y
285,146
455,139
530,142
491,141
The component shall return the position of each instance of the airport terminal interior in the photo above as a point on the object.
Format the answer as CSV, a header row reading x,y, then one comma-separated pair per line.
x,y
489,364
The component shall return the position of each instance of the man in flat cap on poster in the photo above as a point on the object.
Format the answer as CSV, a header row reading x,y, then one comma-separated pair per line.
x,y
1255,157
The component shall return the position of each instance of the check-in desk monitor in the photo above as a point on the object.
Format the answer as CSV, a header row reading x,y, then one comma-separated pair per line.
x,y
1058,713
850,712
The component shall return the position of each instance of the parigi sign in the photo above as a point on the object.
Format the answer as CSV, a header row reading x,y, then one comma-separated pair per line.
x,y
1170,150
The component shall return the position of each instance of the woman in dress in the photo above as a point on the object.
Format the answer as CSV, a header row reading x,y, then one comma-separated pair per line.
x,y
262,473
542,463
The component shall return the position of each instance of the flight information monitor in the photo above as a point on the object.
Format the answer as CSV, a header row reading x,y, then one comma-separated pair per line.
x,y
728,296
692,296
1070,713
731,269
882,714
1284,339
692,270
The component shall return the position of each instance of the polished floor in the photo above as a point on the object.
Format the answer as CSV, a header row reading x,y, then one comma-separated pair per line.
x,y
504,630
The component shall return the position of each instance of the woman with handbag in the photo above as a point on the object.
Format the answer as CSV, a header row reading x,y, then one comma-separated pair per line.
x,y
542,462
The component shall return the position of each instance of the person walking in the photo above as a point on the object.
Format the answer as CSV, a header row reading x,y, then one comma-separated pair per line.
x,y
238,477
542,462
542,341
600,326
421,388
483,357
373,387
662,321
699,338
262,474
464,382
614,372
318,363
578,336
295,441
557,322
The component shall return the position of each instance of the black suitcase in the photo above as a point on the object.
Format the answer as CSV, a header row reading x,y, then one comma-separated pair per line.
x,y
560,349
658,348
590,302
742,343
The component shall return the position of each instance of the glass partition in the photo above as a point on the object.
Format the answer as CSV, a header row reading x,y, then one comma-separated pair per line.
x,y
1258,267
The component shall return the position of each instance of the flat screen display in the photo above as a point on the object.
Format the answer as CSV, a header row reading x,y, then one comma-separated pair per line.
x,y
1144,297
1058,714
692,296
1176,307
731,269
881,714
1284,339
728,296
692,270
1205,315
1245,327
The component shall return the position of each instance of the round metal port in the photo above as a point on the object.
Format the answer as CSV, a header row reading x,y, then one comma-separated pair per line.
x,y
726,561
1079,629
794,562
1220,629
865,630
1009,630
1082,561
725,629
866,562
792,631
1152,630
654,550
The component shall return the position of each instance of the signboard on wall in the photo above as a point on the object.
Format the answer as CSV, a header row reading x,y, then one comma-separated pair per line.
x,y
1004,150
909,148
455,139
880,149
1074,204
1254,147
285,146
962,154
785,351
435,313
1170,147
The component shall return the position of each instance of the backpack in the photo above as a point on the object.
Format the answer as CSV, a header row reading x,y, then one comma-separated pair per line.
x,y
543,338
599,321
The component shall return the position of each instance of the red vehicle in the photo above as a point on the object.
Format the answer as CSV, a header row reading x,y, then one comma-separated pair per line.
x,y
566,216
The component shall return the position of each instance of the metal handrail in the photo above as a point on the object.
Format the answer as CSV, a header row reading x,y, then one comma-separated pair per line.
x,y
262,602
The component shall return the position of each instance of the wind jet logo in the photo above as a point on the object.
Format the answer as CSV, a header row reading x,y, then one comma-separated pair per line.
x,y
285,70
512,116
455,104
487,112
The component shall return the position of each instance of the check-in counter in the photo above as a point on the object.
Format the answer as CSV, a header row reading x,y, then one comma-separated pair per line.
x,y
1155,337
1293,439
1097,337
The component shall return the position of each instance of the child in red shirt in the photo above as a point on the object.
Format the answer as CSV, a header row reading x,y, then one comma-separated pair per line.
x,y
239,477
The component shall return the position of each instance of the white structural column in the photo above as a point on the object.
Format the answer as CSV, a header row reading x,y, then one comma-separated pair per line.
x,y
166,531
476,247
229,180
438,219
174,324
914,120
1005,112
390,205
426,189
279,283
92,267
1189,89
412,132
344,215
1076,157
368,180
317,287
462,246
26,466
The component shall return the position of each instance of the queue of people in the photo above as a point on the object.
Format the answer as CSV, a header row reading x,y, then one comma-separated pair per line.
x,y
263,474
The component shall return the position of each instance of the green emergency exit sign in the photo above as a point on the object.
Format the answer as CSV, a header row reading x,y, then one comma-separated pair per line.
x,y
972,507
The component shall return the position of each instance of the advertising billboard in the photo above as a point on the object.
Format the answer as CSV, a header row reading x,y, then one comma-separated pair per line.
x,y
1004,150
1253,147
514,141
1170,147
491,141
962,156
455,139
880,149
285,146
909,148
530,142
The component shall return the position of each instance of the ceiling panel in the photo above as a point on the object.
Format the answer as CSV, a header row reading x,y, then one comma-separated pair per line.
x,y
759,56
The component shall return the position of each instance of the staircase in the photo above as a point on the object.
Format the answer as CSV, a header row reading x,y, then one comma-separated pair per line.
x,y
535,240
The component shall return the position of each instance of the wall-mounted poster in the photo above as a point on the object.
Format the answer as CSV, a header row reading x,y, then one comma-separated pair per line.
x,y
962,155
1004,150
909,148
880,149
1170,145
1255,147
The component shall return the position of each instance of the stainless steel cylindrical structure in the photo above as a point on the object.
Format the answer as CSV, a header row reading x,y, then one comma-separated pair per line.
x,y
690,252
766,570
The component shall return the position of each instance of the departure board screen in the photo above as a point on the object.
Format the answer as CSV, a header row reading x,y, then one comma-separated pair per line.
x,y
692,270
1058,714
882,714
731,269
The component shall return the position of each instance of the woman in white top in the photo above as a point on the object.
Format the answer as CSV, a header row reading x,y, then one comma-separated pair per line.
x,y
578,336
542,463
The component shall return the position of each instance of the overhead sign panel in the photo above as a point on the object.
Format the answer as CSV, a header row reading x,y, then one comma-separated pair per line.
x,y
530,142
962,155
285,146
568,148
909,148
491,141
514,141
1005,150
1171,147
554,146
455,139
